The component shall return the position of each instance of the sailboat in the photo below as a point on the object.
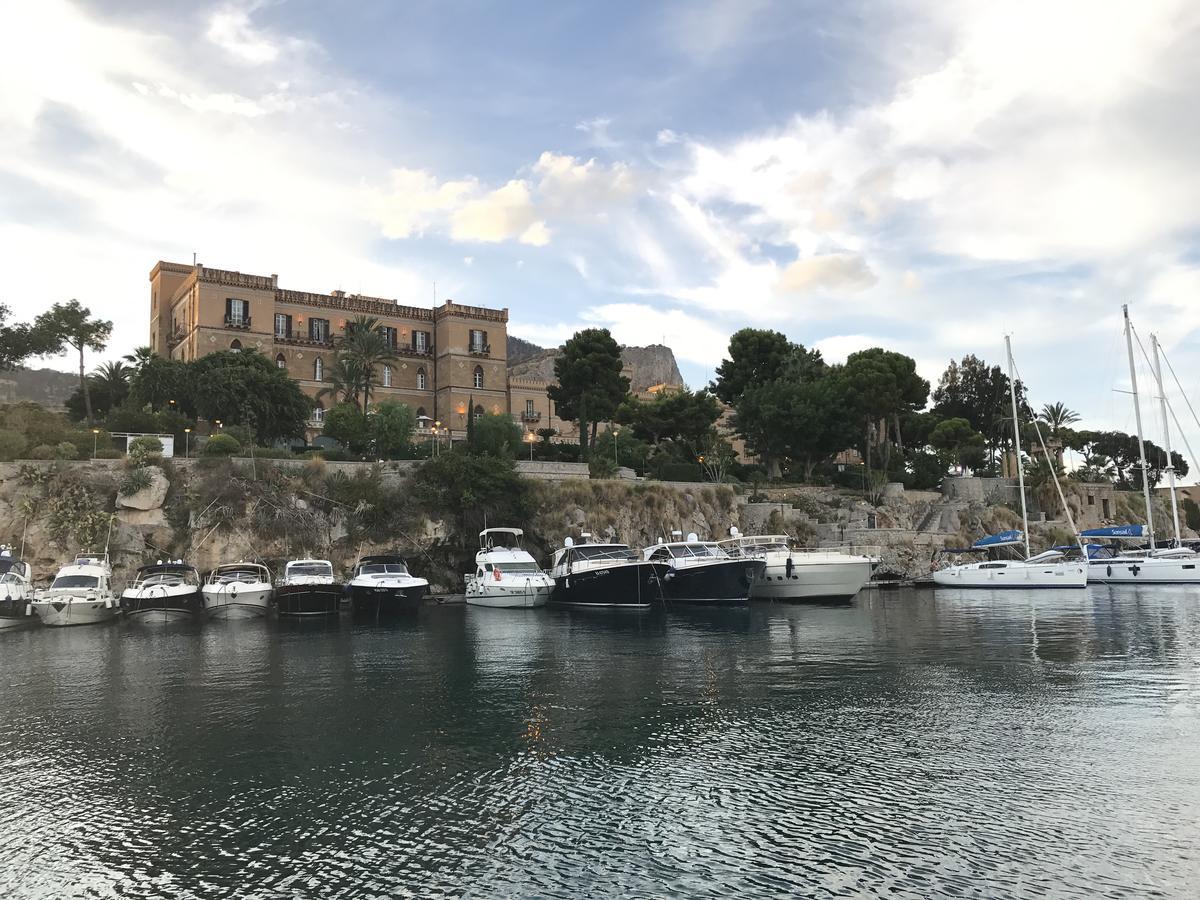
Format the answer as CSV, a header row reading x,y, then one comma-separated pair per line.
x,y
1153,564
1051,569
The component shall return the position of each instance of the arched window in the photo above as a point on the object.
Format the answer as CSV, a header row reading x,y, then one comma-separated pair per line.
x,y
236,346
421,380
280,361
478,411
319,369
387,376
478,376
318,413
420,411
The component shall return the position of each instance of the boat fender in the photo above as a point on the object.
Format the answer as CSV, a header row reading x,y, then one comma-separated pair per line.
x,y
1110,571
108,604
789,567
29,609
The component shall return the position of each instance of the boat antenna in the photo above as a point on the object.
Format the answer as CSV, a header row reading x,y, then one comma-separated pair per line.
x,y
108,539
1170,470
1012,396
1137,416
24,531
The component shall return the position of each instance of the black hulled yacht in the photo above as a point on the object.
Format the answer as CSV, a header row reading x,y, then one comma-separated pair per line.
x,y
702,572
163,591
308,588
382,585
587,574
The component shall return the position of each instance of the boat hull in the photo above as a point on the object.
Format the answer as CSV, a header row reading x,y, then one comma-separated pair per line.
x,y
729,581
510,593
153,607
373,600
1144,571
252,603
636,585
829,580
63,612
1040,577
308,600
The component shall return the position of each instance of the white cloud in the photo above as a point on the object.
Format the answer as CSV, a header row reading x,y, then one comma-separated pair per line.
x,y
838,272
232,29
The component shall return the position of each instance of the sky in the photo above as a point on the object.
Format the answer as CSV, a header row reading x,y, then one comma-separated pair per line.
x,y
923,176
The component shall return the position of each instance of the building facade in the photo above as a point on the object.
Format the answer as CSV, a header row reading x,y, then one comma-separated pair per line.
x,y
450,359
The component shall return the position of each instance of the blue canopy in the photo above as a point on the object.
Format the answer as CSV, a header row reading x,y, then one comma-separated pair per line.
x,y
1003,539
1115,531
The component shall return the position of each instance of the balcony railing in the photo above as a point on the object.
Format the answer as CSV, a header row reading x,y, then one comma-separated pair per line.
x,y
528,416
303,340
481,349
237,321
410,350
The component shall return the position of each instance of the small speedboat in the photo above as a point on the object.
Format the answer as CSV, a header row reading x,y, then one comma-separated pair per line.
x,y
16,590
382,585
702,572
81,593
605,575
163,592
308,588
505,574
240,590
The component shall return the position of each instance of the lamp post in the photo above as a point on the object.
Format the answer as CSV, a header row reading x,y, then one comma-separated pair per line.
x,y
95,441
436,440
529,439
187,443
616,431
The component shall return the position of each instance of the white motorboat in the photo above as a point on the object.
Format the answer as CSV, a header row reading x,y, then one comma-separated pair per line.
x,y
832,573
162,592
1051,569
703,572
308,588
605,575
240,590
382,586
81,593
16,590
506,575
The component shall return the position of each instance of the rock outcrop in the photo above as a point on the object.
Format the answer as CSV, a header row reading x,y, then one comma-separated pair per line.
x,y
649,365
149,497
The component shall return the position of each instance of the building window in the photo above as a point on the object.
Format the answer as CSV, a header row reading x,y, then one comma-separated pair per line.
x,y
529,407
479,342
318,413
420,341
283,325
478,379
388,334
237,312
421,380
235,345
387,376
319,369
318,330
478,411
280,361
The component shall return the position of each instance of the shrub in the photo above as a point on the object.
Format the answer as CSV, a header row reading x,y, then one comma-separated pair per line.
x,y
677,471
144,450
332,454
42,451
601,467
134,481
221,445
66,450
108,453
269,453
12,445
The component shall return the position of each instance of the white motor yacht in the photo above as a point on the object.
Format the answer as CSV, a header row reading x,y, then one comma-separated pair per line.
x,y
506,575
81,593
16,590
832,573
240,590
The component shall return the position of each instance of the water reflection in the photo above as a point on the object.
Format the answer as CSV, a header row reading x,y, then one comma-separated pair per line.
x,y
910,743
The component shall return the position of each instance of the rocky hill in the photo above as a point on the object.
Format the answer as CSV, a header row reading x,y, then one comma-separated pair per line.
x,y
47,387
650,365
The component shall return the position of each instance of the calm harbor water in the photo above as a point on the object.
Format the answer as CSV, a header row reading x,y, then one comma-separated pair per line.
x,y
909,744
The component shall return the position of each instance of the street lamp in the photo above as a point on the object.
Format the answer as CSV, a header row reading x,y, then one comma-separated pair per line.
x,y
95,441
187,443
616,431
436,441
530,437
219,424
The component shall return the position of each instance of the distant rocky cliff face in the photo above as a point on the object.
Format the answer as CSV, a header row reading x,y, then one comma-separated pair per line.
x,y
650,365
48,387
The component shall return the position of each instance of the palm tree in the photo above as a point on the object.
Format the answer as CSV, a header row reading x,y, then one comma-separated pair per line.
x,y
342,380
113,377
366,349
1058,418
139,358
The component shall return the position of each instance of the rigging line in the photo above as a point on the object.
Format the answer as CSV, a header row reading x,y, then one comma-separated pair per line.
x,y
1171,408
1054,474
1178,385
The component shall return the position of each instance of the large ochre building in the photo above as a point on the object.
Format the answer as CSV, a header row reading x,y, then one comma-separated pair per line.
x,y
450,359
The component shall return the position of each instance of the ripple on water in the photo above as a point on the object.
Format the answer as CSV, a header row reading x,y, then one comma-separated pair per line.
x,y
911,745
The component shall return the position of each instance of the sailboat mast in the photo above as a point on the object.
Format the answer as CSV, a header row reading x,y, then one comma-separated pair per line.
x,y
1137,416
1162,400
1012,395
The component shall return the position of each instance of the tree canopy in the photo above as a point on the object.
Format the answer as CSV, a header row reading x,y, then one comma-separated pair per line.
x,y
71,325
588,385
245,388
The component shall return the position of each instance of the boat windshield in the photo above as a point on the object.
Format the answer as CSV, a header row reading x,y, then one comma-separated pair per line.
x,y
384,569
527,567
296,570
689,551
75,581
237,576
603,551
167,579
11,578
